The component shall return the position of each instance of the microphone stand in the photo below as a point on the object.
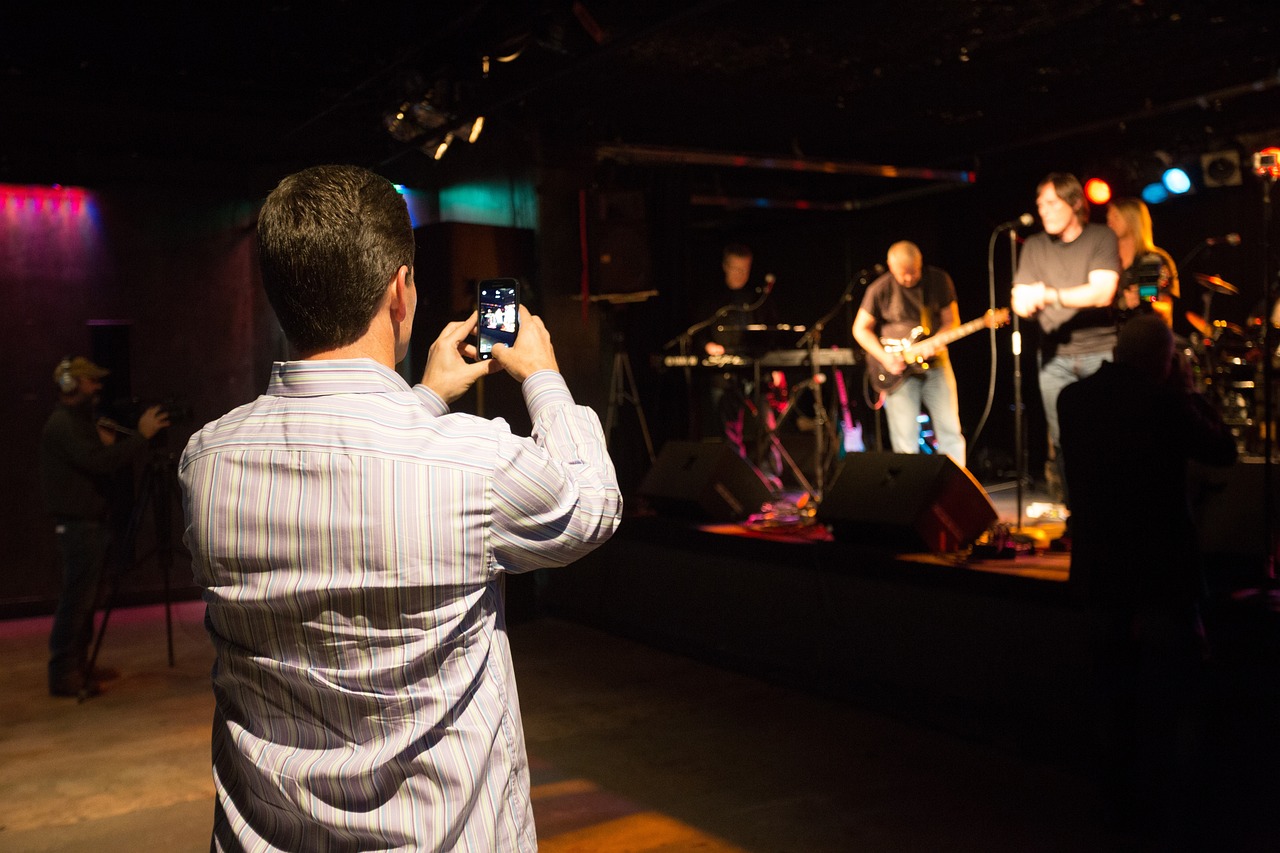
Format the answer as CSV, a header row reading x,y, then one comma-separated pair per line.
x,y
684,339
1019,450
811,340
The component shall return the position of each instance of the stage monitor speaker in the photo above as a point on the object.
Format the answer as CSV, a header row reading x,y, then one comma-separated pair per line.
x,y
1229,507
906,502
706,480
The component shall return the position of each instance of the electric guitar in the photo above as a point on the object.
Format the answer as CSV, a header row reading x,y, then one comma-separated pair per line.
x,y
850,433
916,350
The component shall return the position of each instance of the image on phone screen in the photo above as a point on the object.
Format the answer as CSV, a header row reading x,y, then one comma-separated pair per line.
x,y
499,315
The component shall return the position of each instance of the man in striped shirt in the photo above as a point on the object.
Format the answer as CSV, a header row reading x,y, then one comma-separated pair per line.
x,y
351,536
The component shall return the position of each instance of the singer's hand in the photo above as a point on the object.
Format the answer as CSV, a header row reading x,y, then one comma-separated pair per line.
x,y
1027,299
714,348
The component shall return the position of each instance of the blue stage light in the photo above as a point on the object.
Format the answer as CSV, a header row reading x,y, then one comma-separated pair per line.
x,y
1154,193
1176,181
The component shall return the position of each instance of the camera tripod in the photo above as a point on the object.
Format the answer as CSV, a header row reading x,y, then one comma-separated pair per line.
x,y
158,491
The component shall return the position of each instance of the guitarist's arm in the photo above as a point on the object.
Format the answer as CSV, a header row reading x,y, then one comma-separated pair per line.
x,y
948,319
864,332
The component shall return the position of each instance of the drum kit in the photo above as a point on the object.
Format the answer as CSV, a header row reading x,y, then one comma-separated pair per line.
x,y
1229,366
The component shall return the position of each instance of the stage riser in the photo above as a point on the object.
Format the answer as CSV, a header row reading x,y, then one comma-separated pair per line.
x,y
980,658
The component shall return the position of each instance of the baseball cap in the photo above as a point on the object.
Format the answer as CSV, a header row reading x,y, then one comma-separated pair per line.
x,y
79,367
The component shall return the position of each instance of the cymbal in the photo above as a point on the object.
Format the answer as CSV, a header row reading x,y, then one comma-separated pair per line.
x,y
1216,284
1197,322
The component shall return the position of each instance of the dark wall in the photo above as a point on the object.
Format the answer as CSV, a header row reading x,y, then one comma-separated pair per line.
x,y
164,286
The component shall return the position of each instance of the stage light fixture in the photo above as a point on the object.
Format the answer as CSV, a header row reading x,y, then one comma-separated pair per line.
x,y
1176,180
1155,193
415,118
443,146
1097,191
1266,163
477,125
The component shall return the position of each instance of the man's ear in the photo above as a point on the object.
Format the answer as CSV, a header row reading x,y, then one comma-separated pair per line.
x,y
400,298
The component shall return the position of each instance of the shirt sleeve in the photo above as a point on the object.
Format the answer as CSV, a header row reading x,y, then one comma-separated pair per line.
x,y
1106,251
555,494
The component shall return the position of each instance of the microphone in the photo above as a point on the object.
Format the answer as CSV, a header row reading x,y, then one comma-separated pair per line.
x,y
770,279
1227,239
1023,220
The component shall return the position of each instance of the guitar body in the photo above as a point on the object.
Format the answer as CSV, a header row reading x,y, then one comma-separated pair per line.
x,y
917,350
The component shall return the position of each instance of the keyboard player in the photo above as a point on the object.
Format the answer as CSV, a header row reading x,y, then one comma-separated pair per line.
x,y
737,404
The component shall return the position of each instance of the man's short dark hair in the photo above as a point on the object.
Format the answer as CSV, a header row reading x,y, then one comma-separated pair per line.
x,y
737,250
330,239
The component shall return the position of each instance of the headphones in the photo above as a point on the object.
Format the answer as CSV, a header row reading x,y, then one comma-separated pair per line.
x,y
65,381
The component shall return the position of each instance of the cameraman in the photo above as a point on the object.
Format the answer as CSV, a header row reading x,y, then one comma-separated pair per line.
x,y
78,460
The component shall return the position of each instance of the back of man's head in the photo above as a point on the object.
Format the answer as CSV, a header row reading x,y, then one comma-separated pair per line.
x,y
1145,343
330,239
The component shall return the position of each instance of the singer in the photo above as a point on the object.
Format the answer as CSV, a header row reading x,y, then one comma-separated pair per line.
x,y
1066,279
740,311
898,310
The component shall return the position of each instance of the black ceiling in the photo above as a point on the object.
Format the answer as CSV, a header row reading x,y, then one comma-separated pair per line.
x,y
257,88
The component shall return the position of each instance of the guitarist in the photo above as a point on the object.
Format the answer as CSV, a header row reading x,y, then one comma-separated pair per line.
x,y
908,296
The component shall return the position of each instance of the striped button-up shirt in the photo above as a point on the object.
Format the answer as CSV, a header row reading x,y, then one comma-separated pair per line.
x,y
350,535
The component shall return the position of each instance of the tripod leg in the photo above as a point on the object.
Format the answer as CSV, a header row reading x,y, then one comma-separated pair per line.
x,y
635,401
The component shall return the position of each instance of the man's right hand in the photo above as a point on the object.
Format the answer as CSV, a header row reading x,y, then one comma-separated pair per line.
x,y
152,421
531,352
893,363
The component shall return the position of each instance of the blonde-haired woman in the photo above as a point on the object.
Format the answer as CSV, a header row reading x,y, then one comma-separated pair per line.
x,y
1149,279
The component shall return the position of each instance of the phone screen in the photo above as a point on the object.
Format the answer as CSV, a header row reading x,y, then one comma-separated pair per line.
x,y
498,301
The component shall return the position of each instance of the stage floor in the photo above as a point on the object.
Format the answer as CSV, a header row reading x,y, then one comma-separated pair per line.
x,y
1042,521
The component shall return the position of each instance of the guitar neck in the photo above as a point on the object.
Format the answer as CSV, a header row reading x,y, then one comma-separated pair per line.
x,y
952,335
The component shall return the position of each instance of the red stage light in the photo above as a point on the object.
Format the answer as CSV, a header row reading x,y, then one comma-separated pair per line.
x,y
1097,191
1267,163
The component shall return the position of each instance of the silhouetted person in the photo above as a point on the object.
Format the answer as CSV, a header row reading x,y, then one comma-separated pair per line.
x,y
1128,432
79,460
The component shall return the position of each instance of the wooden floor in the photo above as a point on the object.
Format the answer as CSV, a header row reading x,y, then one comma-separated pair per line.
x,y
633,749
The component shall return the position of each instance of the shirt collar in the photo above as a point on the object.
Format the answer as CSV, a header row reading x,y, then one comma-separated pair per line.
x,y
337,376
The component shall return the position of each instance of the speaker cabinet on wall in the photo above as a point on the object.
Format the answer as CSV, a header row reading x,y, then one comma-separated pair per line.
x,y
704,480
906,502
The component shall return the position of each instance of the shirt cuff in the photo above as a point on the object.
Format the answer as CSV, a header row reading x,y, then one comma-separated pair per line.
x,y
545,389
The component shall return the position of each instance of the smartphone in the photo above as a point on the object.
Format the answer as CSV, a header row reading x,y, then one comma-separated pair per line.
x,y
498,301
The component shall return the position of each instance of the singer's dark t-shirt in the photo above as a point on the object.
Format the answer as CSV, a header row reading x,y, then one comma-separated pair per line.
x,y
898,310
1071,331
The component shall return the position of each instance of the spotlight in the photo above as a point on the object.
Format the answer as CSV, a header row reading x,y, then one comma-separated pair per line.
x,y
1266,163
443,146
1155,193
1176,181
476,126
1097,191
